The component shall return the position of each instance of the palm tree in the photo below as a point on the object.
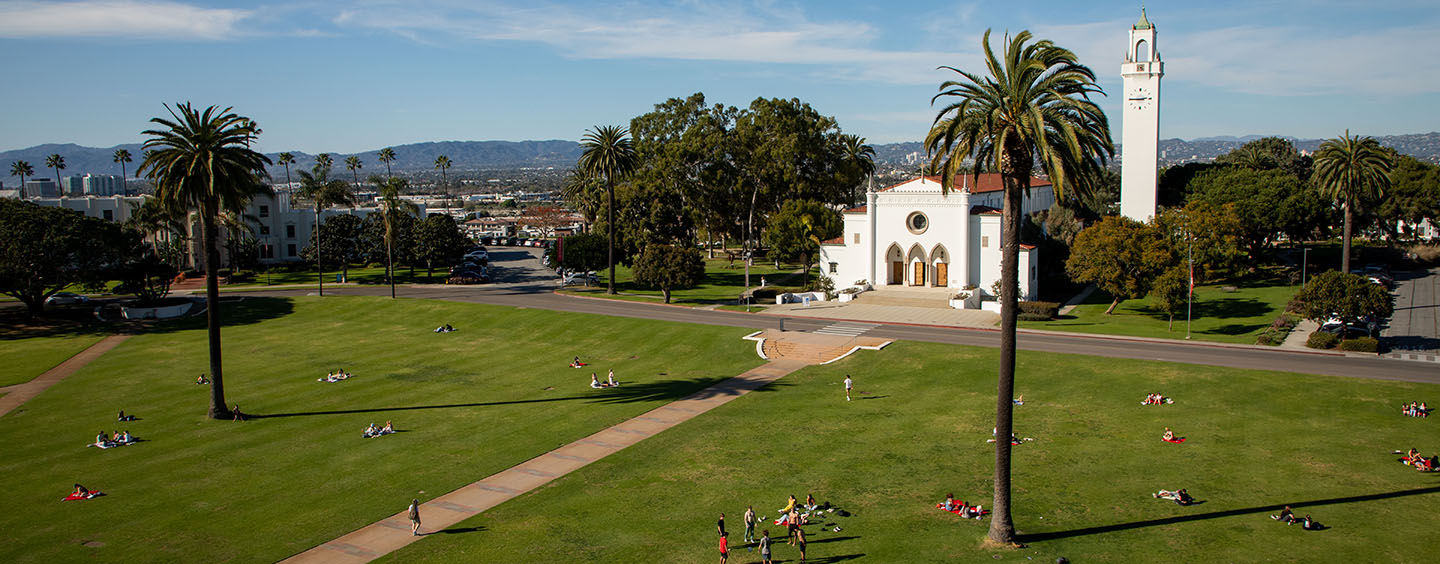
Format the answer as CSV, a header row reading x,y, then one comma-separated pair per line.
x,y
609,153
324,160
200,162
56,162
390,206
286,159
442,162
858,155
22,169
352,162
387,156
1033,103
323,192
122,156
1352,169
252,129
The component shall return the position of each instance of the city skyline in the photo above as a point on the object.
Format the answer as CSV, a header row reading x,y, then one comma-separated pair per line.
x,y
334,77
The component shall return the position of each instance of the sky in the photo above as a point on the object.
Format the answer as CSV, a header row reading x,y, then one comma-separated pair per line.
x,y
341,77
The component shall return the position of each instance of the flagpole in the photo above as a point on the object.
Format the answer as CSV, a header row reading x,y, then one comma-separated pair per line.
x,y
1190,299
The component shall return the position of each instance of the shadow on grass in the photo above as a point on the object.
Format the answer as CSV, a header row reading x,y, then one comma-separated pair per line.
x,y
1036,537
840,558
457,531
833,539
667,390
81,321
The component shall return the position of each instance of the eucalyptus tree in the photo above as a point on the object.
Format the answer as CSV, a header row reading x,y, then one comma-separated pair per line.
x,y
1031,104
1351,169
353,163
56,162
200,160
323,192
387,156
609,154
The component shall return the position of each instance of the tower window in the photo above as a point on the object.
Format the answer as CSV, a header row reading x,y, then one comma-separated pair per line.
x,y
1142,51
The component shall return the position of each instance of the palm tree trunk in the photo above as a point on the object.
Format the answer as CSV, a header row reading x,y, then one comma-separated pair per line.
x,y
1345,243
610,228
1002,528
218,409
389,254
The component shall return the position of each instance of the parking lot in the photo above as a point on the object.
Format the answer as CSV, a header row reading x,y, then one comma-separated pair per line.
x,y
1415,326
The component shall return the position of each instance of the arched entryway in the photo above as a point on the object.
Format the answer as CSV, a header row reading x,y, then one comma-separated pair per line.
x,y
894,265
940,265
917,261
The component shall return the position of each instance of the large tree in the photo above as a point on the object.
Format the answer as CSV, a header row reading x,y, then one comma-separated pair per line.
x,y
1267,202
323,192
286,159
353,163
200,160
442,163
22,169
582,252
783,150
123,157
1413,197
609,154
798,228
387,156
1349,297
45,249
680,150
1120,256
1031,104
439,240
57,163
1349,169
669,267
391,207
338,240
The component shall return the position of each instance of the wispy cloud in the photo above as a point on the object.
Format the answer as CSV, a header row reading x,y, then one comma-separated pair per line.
x,y
129,19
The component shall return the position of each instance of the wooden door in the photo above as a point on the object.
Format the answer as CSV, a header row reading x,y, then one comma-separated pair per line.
x,y
897,272
942,274
919,279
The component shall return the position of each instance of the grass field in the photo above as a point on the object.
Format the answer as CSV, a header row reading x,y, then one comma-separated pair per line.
x,y
1256,440
468,404
722,284
1222,316
29,350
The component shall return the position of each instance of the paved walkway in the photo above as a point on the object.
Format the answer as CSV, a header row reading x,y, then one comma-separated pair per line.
x,y
1299,335
17,395
393,532
877,313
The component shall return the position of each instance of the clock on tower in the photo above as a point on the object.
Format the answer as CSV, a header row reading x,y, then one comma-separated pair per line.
x,y
1140,134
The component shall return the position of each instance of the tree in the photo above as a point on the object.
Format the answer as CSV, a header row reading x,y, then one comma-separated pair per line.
x,y
669,267
1210,236
338,241
609,154
56,162
44,249
1033,105
1350,169
200,160
439,240
1349,297
122,156
160,222
784,150
858,162
392,206
1169,292
1413,197
582,252
680,150
323,192
1267,203
324,160
286,159
387,156
1269,153
798,228
1120,256
442,162
22,169
353,163
142,271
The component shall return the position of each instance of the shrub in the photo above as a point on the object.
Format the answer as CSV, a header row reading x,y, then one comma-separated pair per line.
x,y
464,280
1360,344
1046,309
1321,340
1034,317
766,293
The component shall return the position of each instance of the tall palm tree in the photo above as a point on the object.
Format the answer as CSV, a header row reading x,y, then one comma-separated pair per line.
x,y
286,159
353,163
1351,169
22,169
392,205
1035,102
387,156
324,160
609,153
56,162
200,162
122,156
858,155
252,129
323,192
442,162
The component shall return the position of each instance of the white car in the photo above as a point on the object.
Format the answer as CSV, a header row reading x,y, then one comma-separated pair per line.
x,y
66,298
586,278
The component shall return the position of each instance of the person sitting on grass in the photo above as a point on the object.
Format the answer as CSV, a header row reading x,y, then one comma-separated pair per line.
x,y
576,363
971,511
103,441
610,380
1309,524
1286,516
202,380
238,416
789,506
1180,496
80,490
949,502
371,431
123,417
595,381
1020,400
123,438
387,429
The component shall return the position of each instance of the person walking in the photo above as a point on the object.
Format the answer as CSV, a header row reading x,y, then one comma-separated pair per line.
x,y
800,542
765,547
724,547
720,525
749,524
848,385
415,517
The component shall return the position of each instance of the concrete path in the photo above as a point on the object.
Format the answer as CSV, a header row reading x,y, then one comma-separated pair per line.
x,y
1299,335
18,394
393,533
876,313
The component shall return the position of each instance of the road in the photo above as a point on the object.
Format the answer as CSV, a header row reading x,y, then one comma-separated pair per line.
x,y
521,282
1415,326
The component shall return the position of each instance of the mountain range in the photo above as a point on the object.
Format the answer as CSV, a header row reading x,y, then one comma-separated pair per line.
x,y
560,154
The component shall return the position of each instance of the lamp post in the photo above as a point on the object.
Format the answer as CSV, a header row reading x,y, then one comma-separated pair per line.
x,y
747,281
1304,263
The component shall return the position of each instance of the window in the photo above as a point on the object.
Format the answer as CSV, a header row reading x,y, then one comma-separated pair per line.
x,y
917,223
857,237
290,234
834,267
985,241
109,215
264,229
1142,51
264,211
290,249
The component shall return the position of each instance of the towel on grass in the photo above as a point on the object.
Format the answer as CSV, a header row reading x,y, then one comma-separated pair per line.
x,y
82,497
1176,440
956,509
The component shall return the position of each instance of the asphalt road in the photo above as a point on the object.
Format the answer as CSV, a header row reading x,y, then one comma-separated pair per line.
x,y
522,282
1415,326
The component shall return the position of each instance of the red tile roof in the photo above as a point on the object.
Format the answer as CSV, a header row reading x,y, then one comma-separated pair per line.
x,y
1026,247
984,210
860,209
987,182
836,241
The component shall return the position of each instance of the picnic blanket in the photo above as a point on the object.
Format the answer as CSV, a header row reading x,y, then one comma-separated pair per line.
x,y
579,364
82,497
1176,440
956,509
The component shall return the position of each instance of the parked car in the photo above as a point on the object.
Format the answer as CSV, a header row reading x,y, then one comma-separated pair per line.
x,y
66,298
573,278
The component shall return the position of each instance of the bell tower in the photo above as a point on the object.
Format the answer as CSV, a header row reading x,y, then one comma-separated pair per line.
x,y
1140,136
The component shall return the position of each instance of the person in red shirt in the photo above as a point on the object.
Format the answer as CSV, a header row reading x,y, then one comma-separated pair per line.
x,y
724,548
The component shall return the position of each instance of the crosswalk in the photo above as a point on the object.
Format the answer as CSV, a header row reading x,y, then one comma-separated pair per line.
x,y
847,329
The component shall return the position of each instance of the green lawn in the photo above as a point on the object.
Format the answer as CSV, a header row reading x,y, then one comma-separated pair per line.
x,y
1219,315
357,275
1082,487
468,404
722,284
30,349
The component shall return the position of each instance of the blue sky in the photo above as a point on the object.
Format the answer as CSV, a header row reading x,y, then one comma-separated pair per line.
x,y
329,76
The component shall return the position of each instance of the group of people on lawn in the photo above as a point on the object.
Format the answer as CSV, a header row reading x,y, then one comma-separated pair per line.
x,y
1421,463
791,518
335,376
1415,409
